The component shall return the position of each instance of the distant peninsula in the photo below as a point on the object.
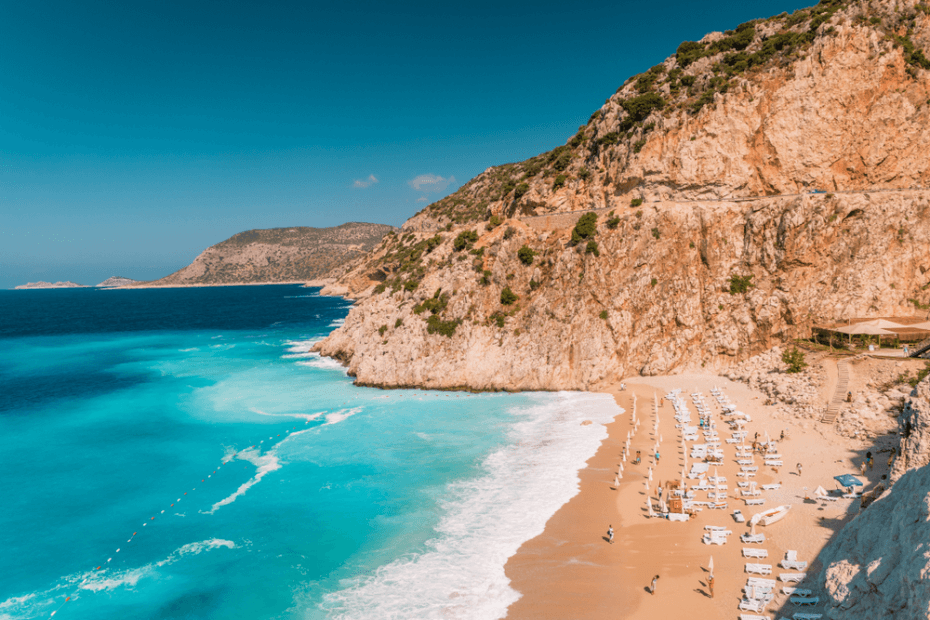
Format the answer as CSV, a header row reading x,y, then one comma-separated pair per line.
x,y
278,255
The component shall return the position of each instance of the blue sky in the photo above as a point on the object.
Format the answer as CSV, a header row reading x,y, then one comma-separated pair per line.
x,y
134,135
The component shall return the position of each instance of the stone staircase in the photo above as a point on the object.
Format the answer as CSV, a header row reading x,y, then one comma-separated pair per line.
x,y
839,394
921,349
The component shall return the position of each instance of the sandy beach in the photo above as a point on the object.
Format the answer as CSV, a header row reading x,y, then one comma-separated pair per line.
x,y
570,571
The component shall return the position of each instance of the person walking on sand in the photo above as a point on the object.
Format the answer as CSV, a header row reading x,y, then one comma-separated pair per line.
x,y
710,585
799,469
655,580
610,534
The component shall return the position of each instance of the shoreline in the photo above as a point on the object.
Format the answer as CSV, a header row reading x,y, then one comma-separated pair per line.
x,y
570,571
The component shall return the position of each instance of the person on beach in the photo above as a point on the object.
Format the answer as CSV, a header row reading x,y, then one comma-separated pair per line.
x,y
710,585
610,534
657,457
862,468
655,580
799,469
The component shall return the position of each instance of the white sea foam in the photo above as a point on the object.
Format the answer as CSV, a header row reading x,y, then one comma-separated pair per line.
x,y
39,603
327,363
337,323
338,416
486,519
264,465
301,416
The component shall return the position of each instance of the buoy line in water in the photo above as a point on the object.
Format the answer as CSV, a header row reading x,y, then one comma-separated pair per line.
x,y
225,459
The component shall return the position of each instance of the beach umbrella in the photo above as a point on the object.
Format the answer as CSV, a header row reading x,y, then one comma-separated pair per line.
x,y
649,506
715,472
820,492
650,473
710,566
647,485
660,438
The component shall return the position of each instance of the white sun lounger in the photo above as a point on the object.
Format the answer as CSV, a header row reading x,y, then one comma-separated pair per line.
x,y
742,484
734,440
793,565
754,617
746,474
755,502
751,604
770,487
753,538
759,569
759,582
714,540
716,528
805,600
718,506
748,468
749,552
792,577
751,493
774,463
738,517
745,462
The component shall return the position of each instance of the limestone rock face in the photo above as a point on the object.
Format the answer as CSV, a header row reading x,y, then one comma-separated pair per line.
x,y
655,299
700,171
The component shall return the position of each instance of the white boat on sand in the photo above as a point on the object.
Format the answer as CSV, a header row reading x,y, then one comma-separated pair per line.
x,y
768,517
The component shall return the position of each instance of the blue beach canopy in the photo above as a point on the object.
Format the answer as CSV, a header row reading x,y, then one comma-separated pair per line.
x,y
848,480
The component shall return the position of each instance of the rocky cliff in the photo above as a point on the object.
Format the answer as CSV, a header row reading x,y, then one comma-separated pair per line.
x,y
706,248
877,566
297,254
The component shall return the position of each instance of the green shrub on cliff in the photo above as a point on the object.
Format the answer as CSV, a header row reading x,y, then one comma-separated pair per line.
x,y
526,254
435,325
508,297
740,284
585,227
464,240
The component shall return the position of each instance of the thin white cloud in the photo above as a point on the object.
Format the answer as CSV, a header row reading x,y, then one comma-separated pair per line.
x,y
422,199
361,183
430,183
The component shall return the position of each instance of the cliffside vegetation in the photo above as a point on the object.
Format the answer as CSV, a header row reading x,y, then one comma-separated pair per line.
x,y
693,79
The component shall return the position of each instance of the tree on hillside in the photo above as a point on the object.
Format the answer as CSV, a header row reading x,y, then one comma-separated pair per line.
x,y
794,359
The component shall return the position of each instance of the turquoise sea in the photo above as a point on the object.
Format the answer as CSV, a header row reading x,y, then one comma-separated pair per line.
x,y
179,454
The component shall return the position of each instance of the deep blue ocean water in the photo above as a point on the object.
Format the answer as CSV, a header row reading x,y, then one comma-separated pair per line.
x,y
178,453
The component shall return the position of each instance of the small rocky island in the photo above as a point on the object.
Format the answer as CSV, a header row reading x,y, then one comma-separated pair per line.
x,y
41,284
